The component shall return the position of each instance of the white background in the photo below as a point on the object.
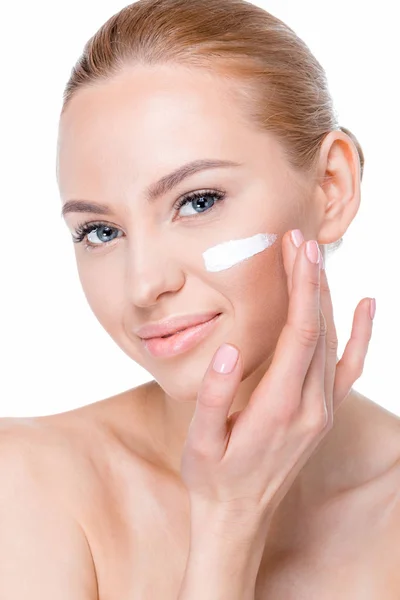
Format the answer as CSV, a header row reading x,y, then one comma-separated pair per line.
x,y
54,354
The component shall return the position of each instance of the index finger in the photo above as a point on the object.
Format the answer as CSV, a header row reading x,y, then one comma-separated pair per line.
x,y
298,339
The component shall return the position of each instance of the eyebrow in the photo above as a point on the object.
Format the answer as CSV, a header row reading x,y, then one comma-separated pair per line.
x,y
155,190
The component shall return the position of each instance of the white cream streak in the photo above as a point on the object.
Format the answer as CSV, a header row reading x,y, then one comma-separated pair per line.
x,y
226,255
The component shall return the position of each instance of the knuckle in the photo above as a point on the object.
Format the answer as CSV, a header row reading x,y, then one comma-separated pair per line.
x,y
211,396
316,421
332,344
325,289
198,450
322,324
287,411
211,400
196,445
194,453
308,335
314,284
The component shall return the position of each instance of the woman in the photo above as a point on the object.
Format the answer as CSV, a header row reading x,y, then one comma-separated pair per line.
x,y
274,479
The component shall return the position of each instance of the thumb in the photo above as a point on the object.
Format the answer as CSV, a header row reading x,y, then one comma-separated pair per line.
x,y
209,428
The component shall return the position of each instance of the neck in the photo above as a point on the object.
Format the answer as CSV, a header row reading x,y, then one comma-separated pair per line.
x,y
315,481
174,417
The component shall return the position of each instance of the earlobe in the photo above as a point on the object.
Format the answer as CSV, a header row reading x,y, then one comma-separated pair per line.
x,y
339,190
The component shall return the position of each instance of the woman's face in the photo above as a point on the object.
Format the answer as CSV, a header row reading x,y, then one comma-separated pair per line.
x,y
119,137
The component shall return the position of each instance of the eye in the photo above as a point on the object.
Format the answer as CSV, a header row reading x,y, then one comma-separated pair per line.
x,y
201,200
100,231
103,234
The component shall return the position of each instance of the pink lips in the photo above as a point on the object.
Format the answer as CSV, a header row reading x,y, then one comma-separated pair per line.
x,y
173,325
180,342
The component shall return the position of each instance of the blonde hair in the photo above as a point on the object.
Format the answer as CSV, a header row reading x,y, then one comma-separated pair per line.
x,y
282,87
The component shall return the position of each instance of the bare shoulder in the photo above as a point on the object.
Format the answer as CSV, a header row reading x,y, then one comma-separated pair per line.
x,y
365,444
67,485
44,447
51,455
38,521
67,452
384,502
380,432
372,434
126,421
77,455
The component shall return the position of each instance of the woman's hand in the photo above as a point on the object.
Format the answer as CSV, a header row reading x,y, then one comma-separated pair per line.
x,y
247,462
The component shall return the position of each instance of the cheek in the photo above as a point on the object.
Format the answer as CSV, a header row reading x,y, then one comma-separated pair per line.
x,y
228,254
251,274
268,303
101,285
257,289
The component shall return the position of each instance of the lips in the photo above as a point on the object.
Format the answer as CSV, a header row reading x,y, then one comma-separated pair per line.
x,y
171,334
171,326
178,343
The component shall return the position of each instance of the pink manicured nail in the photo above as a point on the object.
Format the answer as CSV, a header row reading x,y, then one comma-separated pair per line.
x,y
225,359
372,307
312,251
297,237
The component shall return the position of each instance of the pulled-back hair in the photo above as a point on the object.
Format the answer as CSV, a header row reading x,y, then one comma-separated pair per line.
x,y
281,86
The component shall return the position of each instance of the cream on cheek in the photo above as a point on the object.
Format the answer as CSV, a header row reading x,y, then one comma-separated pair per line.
x,y
226,255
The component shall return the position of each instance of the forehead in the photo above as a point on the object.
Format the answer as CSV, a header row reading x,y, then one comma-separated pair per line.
x,y
146,116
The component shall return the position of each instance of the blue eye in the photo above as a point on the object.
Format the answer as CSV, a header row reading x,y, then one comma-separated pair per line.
x,y
83,230
202,199
206,201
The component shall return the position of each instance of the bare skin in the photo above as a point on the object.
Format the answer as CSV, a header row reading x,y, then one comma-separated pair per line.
x,y
335,537
99,500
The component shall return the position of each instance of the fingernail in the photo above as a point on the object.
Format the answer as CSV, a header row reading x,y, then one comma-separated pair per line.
x,y
372,308
297,237
225,359
312,251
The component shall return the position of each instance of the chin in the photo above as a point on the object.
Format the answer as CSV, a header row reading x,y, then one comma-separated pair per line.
x,y
183,380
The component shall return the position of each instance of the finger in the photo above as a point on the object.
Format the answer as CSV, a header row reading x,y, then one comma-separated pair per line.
x,y
313,393
351,365
331,342
290,249
297,342
208,429
313,405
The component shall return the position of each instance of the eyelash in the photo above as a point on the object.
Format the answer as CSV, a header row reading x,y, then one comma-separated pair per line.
x,y
83,229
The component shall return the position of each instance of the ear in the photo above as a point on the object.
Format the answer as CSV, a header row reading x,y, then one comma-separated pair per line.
x,y
338,193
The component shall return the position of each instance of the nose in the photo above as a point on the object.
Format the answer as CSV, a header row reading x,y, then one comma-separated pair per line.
x,y
152,270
